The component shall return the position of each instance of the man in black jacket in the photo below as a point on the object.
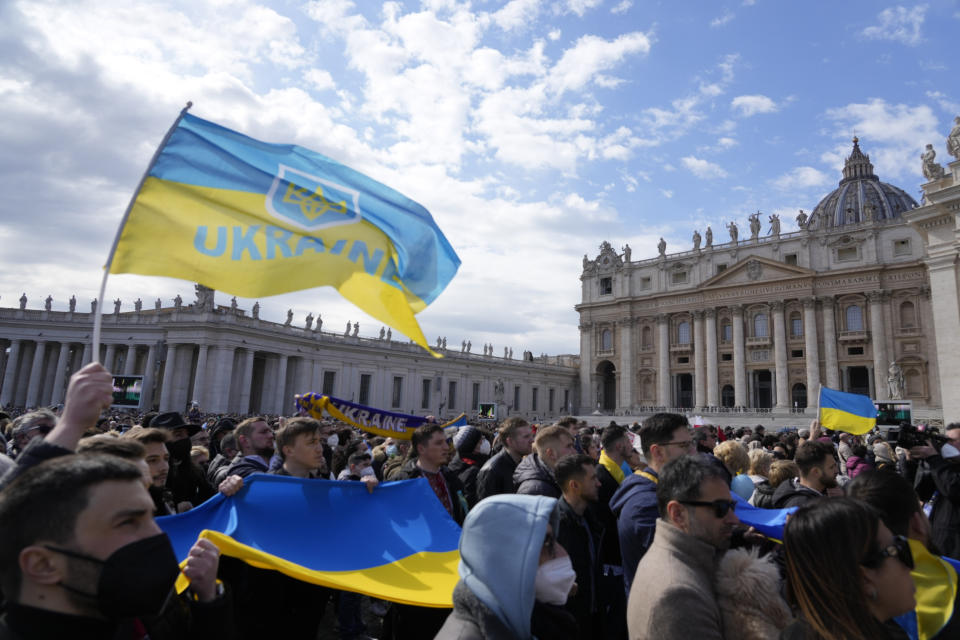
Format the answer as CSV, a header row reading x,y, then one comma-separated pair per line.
x,y
581,534
940,485
496,475
818,472
256,448
534,475
430,453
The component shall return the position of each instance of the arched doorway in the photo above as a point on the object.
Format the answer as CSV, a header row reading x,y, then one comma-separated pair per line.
x,y
798,396
858,380
684,390
606,386
727,396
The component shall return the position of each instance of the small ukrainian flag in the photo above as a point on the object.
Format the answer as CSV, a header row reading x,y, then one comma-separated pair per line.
x,y
850,412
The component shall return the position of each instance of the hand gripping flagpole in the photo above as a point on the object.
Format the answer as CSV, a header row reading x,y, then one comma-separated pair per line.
x,y
98,314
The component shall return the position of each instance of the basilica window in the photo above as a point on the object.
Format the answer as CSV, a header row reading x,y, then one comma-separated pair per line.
x,y
645,283
854,318
683,333
678,277
606,340
796,325
606,286
908,315
727,396
791,258
799,396
901,247
646,338
761,326
726,332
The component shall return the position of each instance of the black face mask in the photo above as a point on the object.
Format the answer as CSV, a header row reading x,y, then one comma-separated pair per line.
x,y
135,580
180,450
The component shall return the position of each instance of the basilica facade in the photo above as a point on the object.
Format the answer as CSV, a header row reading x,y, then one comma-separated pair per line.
x,y
759,322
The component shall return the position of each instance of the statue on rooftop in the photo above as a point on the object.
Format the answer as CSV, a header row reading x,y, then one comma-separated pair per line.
x,y
178,302
356,329
138,305
953,140
383,332
48,303
801,219
23,301
755,226
389,334
347,332
289,318
93,306
158,304
233,303
709,237
256,310
696,240
626,253
73,303
116,305
662,246
309,321
319,323
932,170
734,232
774,221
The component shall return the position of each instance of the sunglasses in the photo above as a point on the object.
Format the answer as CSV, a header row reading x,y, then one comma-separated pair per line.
x,y
900,549
720,507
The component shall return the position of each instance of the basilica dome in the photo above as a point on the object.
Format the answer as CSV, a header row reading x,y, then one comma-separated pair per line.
x,y
860,197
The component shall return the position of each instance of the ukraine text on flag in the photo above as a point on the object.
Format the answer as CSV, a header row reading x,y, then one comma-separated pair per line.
x,y
256,219
377,421
397,543
850,412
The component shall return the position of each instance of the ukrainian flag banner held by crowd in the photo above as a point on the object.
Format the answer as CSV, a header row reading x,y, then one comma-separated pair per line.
x,y
397,543
850,412
255,219
377,421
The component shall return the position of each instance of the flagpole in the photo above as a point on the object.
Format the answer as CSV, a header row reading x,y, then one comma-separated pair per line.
x,y
98,314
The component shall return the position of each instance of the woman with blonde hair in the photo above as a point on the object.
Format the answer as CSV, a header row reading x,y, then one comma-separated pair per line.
x,y
733,456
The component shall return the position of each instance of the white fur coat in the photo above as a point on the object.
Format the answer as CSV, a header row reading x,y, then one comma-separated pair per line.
x,y
748,592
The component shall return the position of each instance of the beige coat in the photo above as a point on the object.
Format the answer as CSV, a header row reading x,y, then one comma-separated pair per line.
x,y
672,595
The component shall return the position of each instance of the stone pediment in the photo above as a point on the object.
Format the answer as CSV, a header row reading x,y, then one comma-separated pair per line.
x,y
755,270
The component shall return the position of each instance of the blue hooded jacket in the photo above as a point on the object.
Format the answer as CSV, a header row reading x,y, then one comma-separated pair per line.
x,y
635,505
500,554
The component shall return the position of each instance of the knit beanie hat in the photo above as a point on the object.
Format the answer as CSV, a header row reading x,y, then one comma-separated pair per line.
x,y
467,439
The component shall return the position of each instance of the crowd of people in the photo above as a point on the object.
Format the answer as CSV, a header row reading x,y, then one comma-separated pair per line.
x,y
568,531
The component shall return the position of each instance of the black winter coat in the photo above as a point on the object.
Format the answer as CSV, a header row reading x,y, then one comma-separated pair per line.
x,y
496,475
533,477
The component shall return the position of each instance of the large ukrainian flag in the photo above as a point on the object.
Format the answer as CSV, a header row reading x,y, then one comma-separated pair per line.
x,y
256,219
397,543
850,412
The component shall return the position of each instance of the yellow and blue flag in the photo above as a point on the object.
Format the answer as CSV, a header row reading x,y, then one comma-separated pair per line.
x,y
397,543
377,421
850,412
256,219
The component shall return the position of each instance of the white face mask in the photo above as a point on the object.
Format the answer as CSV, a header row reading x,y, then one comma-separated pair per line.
x,y
949,451
554,580
485,446
366,471
333,440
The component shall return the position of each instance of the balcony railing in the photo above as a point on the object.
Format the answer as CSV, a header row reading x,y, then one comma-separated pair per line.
x,y
854,336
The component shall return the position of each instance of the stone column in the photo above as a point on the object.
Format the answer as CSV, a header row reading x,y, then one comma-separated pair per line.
x,y
279,398
780,355
699,362
33,386
586,360
85,360
149,373
110,357
663,353
246,381
59,377
219,396
199,379
713,383
130,362
166,386
830,344
10,372
811,349
626,369
945,303
739,360
878,340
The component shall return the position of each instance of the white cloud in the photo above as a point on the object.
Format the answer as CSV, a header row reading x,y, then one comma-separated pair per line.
x,y
516,14
554,34
667,193
719,21
753,104
703,168
893,135
580,7
944,101
591,55
801,178
320,79
726,142
622,7
899,24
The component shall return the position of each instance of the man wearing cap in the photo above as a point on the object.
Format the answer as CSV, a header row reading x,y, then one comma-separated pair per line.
x,y
186,480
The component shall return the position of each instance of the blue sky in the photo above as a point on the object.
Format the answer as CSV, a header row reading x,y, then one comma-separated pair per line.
x,y
532,129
